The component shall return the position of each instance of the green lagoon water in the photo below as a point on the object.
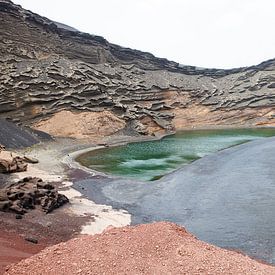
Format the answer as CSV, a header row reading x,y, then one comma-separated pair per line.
x,y
152,159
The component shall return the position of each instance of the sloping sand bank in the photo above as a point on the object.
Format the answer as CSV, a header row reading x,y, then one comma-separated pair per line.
x,y
158,248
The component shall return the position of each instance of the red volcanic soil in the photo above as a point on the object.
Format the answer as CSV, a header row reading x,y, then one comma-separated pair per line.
x,y
14,248
47,229
158,248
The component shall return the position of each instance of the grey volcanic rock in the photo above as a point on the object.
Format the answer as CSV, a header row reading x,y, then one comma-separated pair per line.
x,y
64,26
46,68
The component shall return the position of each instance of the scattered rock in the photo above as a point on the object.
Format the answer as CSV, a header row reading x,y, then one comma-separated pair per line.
x,y
31,240
2,148
30,159
4,204
18,216
29,192
103,144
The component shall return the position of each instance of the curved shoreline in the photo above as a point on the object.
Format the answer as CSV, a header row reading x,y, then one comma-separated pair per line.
x,y
71,158
56,164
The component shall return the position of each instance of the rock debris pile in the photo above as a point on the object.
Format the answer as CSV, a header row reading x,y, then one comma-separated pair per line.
x,y
28,193
10,164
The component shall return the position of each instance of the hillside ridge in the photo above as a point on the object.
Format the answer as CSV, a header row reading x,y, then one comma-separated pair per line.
x,y
46,69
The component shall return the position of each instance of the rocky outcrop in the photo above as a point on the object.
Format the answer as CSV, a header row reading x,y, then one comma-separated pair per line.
x,y
46,69
28,193
30,159
9,163
16,164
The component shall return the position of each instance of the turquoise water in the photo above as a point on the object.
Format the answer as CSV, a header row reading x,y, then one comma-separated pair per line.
x,y
152,159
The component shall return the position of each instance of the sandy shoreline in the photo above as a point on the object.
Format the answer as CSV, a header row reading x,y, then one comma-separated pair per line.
x,y
80,216
57,163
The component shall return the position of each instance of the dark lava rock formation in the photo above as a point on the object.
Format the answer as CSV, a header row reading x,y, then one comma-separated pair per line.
x,y
46,68
26,194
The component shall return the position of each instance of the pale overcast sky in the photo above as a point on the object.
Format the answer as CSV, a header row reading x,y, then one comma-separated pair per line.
x,y
206,33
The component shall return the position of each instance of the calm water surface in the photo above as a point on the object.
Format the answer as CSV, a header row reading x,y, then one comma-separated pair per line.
x,y
153,159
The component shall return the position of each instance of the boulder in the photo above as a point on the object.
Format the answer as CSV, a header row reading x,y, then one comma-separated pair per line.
x,y
4,166
16,164
30,159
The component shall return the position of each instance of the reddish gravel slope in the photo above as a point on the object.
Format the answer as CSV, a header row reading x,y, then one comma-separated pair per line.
x,y
158,248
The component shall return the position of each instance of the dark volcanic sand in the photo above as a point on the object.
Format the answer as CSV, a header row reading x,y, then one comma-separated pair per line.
x,y
13,136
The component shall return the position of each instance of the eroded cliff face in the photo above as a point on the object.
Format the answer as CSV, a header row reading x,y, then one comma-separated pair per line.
x,y
48,72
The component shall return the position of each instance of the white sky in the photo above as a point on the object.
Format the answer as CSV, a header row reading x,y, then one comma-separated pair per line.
x,y
206,33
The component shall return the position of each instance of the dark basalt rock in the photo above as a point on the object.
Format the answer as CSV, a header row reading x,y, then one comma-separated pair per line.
x,y
31,240
30,159
46,67
28,193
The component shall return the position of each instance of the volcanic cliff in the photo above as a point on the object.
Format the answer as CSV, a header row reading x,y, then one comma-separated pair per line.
x,y
70,83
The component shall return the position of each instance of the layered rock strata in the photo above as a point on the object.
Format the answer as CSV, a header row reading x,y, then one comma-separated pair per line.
x,y
46,69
